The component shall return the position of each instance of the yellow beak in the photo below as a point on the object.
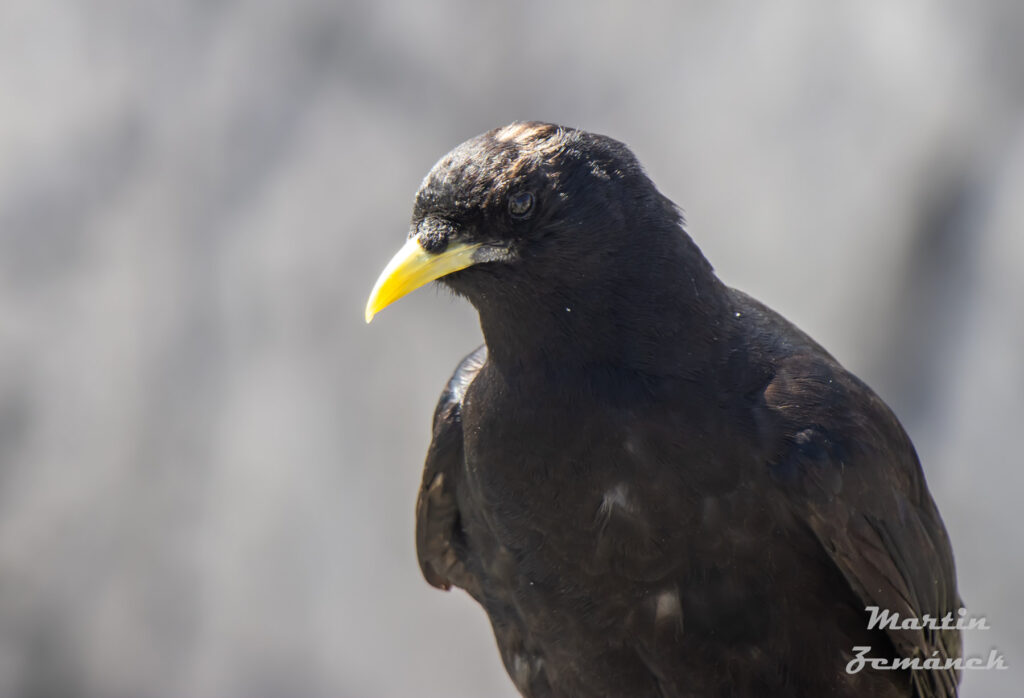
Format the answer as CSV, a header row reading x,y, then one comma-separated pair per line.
x,y
413,267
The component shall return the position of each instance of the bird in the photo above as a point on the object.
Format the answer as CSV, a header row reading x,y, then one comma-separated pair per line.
x,y
653,484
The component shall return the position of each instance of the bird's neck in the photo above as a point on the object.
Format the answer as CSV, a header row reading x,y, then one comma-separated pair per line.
x,y
656,317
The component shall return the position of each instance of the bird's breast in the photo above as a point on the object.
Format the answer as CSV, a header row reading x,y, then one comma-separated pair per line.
x,y
594,491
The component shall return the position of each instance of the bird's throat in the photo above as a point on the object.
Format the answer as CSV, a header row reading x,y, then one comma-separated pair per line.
x,y
649,326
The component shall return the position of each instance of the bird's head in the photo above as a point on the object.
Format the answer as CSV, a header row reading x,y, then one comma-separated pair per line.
x,y
529,211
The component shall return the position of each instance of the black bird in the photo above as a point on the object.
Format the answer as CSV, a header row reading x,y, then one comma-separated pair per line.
x,y
652,483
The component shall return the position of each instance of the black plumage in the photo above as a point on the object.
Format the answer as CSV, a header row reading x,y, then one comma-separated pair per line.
x,y
653,484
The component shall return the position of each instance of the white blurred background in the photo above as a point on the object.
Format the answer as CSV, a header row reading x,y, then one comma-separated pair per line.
x,y
208,462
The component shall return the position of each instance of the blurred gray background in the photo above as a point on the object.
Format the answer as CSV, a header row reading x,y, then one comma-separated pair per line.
x,y
208,462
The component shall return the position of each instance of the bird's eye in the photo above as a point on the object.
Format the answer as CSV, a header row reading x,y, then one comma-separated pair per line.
x,y
520,204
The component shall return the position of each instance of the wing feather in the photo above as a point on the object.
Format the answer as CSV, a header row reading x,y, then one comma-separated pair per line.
x,y
440,545
859,486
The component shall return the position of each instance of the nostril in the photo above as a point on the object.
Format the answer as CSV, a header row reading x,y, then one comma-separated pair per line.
x,y
434,234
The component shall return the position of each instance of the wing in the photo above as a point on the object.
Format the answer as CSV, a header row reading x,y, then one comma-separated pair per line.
x,y
853,474
440,542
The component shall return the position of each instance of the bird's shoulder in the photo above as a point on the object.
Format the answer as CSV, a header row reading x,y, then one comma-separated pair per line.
x,y
449,406
812,400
